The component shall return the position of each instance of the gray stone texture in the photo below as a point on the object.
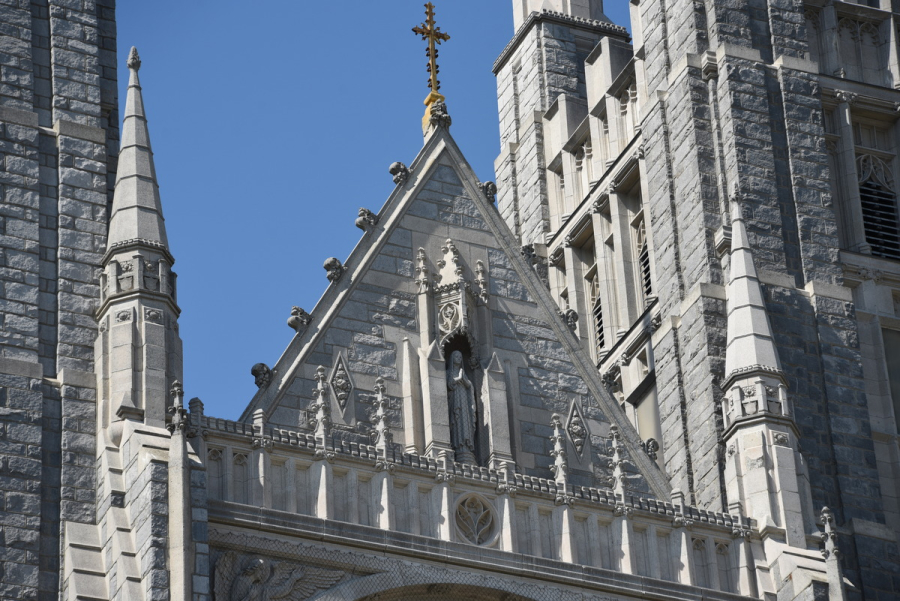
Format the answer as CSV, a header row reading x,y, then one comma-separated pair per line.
x,y
58,68
730,111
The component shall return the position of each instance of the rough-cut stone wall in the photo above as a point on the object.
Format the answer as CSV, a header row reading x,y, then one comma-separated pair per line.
x,y
765,111
546,61
57,113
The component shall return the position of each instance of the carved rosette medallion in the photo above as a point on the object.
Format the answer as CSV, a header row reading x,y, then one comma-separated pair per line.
x,y
455,298
448,318
153,315
240,577
341,383
476,521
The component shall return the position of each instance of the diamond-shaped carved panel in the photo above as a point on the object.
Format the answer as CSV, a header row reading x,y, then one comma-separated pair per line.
x,y
341,383
576,428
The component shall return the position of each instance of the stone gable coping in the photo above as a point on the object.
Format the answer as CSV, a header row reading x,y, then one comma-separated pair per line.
x,y
439,146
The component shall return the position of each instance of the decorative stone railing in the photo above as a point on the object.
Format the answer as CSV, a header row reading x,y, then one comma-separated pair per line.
x,y
362,484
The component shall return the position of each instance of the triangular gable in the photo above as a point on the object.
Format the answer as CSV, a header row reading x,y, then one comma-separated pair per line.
x,y
368,325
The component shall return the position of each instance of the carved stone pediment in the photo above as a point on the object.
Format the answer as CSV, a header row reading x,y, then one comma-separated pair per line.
x,y
240,577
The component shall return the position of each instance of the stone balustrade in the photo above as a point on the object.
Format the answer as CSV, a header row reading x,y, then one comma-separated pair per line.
x,y
287,471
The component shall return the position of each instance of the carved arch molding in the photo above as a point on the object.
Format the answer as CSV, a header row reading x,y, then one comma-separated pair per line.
x,y
253,567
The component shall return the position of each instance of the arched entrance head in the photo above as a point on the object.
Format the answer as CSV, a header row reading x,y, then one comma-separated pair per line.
x,y
423,583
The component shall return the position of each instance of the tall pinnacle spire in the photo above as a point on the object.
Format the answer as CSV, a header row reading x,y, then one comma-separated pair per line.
x,y
750,342
137,211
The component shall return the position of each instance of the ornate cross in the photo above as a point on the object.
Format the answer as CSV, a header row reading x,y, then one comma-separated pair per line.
x,y
435,36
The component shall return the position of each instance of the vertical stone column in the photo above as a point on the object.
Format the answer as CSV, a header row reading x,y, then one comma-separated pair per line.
x,y
563,520
180,537
413,424
383,480
441,496
434,401
506,490
681,541
260,463
627,295
496,405
849,179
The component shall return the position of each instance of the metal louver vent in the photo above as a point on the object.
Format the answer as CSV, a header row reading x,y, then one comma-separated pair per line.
x,y
598,325
644,258
597,311
879,207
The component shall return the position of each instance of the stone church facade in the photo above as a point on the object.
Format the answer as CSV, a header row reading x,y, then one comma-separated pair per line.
x,y
657,360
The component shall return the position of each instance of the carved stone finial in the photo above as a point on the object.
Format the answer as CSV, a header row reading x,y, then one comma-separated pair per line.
x,y
507,483
334,268
560,467
529,254
299,319
177,410
400,172
829,537
423,281
134,60
845,96
490,191
439,116
481,282
651,447
366,220
262,373
321,421
617,460
382,432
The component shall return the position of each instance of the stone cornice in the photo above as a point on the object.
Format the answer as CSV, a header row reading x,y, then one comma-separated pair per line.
x,y
563,19
139,243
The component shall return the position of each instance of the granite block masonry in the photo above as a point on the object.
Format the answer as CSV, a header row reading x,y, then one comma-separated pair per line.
x,y
660,367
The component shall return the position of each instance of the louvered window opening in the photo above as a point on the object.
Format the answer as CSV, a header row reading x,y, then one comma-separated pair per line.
x,y
597,311
878,202
644,259
879,209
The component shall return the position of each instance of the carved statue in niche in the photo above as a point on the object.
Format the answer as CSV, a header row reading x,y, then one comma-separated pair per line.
x,y
463,410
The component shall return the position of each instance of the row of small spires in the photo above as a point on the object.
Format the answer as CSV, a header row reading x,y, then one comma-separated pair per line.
x,y
559,468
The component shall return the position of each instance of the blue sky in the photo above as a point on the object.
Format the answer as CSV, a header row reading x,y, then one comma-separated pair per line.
x,y
271,126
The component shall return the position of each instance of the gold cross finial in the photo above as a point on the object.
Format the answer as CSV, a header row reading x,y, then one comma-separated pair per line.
x,y
435,36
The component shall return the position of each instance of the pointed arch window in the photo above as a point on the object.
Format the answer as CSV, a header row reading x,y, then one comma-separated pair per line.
x,y
862,52
813,34
700,564
723,564
878,200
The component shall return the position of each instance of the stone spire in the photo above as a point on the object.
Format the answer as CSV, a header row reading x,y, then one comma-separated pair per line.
x,y
764,473
137,211
750,345
139,348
